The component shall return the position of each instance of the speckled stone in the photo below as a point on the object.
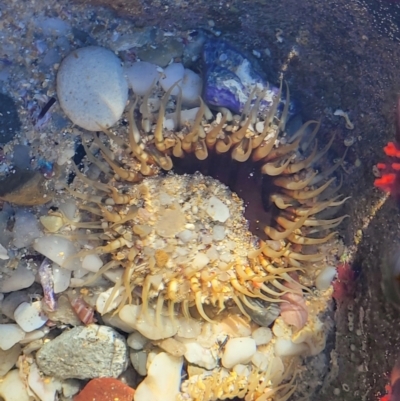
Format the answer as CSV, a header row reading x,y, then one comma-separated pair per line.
x,y
91,87
84,353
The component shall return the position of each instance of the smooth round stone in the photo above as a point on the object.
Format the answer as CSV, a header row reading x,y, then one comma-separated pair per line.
x,y
238,350
20,278
325,277
91,87
141,76
10,334
172,74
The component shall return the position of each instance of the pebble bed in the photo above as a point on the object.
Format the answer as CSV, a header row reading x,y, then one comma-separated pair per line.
x,y
150,355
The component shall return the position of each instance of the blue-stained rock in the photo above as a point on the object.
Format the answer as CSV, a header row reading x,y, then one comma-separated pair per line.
x,y
230,78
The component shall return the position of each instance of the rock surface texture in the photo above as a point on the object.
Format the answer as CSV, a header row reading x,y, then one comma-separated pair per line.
x,y
84,353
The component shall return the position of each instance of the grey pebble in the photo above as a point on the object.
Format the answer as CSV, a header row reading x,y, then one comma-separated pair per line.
x,y
161,54
84,353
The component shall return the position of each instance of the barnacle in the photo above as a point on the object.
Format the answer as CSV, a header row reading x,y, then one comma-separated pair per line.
x,y
142,219
256,385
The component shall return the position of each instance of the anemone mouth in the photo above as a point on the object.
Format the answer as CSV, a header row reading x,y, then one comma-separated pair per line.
x,y
135,211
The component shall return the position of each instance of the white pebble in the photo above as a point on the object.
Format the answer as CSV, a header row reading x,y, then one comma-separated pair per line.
x,y
10,334
325,277
260,361
92,263
141,76
8,359
19,279
26,229
199,261
12,388
137,341
92,88
262,335
285,347
218,233
260,127
29,316
189,328
191,88
65,155
35,335
163,379
58,250
3,253
173,73
61,278
104,297
198,355
45,389
186,235
212,253
238,350
148,327
217,210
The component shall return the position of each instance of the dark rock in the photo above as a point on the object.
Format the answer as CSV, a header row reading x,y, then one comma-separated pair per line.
x,y
9,120
163,53
230,78
25,188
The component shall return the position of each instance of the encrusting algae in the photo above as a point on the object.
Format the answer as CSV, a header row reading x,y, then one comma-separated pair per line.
x,y
180,244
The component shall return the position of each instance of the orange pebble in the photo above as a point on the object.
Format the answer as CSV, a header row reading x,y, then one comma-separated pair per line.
x,y
105,389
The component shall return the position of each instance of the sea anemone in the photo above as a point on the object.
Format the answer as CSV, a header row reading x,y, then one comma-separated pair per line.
x,y
179,239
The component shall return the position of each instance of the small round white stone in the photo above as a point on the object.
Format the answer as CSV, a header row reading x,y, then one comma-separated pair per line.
x,y
325,277
238,350
217,210
137,341
10,334
92,88
192,85
262,335
141,76
172,74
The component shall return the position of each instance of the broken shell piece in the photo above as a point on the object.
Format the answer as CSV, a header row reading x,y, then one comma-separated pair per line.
x,y
104,304
198,355
29,316
52,223
341,113
44,388
313,336
3,253
325,277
